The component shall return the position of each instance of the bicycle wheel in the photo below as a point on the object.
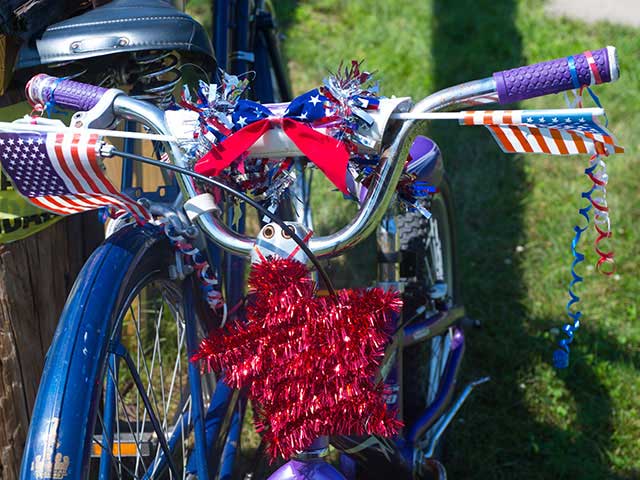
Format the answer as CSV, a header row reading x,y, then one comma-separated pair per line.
x,y
117,366
428,267
151,326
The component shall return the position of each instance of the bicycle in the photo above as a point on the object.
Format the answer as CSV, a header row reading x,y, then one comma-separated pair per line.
x,y
135,259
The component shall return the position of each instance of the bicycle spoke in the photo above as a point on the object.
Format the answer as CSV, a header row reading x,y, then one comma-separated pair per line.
x,y
149,390
117,419
165,403
142,359
110,452
138,354
136,438
189,402
160,364
152,391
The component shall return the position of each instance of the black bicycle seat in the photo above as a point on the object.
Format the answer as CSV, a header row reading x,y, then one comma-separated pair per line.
x,y
118,27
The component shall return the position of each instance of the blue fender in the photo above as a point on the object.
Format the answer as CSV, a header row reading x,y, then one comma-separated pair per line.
x,y
60,432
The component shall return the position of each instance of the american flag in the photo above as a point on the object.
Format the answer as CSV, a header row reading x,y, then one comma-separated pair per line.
x,y
545,131
59,172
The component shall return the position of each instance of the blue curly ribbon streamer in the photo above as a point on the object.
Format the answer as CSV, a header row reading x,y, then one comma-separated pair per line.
x,y
561,355
596,100
50,106
571,62
573,72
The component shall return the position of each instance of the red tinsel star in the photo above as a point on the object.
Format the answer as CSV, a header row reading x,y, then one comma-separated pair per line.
x,y
308,363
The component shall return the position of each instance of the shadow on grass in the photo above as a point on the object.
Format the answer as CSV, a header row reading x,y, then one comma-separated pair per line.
x,y
499,437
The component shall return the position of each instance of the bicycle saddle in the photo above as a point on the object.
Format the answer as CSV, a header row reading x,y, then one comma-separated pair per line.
x,y
117,27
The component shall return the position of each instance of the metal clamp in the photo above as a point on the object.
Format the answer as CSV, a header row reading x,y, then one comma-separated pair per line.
x,y
203,203
100,116
243,56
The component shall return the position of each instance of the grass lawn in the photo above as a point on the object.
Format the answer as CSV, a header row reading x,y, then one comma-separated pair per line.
x,y
515,217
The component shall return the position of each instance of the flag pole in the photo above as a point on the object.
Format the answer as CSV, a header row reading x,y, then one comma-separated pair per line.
x,y
594,112
34,127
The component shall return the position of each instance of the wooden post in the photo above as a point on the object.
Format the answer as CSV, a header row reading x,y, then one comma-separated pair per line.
x,y
36,274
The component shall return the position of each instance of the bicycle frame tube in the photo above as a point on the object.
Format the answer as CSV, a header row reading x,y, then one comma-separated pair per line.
x,y
430,327
445,392
109,416
195,385
220,31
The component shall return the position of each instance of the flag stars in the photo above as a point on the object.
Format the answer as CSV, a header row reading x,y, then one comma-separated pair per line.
x,y
314,100
555,120
542,120
242,121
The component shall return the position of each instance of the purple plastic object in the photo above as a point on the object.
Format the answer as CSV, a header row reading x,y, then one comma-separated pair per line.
x,y
316,469
555,76
426,161
66,93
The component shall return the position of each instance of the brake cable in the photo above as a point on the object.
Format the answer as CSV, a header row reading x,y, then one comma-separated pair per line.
x,y
303,246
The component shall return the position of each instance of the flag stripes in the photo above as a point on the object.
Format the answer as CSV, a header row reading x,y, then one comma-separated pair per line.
x,y
59,172
549,132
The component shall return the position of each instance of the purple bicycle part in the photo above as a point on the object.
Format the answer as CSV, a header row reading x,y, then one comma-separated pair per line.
x,y
43,89
425,162
445,391
556,75
309,465
315,469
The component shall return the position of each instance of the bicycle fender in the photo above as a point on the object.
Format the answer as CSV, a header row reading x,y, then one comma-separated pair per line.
x,y
59,432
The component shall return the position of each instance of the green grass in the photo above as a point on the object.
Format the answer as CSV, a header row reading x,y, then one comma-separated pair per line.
x,y
514,217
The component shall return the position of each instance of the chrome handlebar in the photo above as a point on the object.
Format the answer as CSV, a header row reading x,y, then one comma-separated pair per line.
x,y
379,193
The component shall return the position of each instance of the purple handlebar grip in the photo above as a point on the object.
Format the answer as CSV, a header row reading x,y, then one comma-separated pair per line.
x,y
66,93
555,76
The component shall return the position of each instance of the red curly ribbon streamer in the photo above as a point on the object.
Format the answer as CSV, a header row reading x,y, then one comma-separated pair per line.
x,y
597,173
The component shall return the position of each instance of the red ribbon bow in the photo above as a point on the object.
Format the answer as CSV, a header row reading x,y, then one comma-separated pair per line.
x,y
328,154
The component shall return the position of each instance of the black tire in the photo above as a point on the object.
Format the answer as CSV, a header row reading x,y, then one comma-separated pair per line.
x,y
417,269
